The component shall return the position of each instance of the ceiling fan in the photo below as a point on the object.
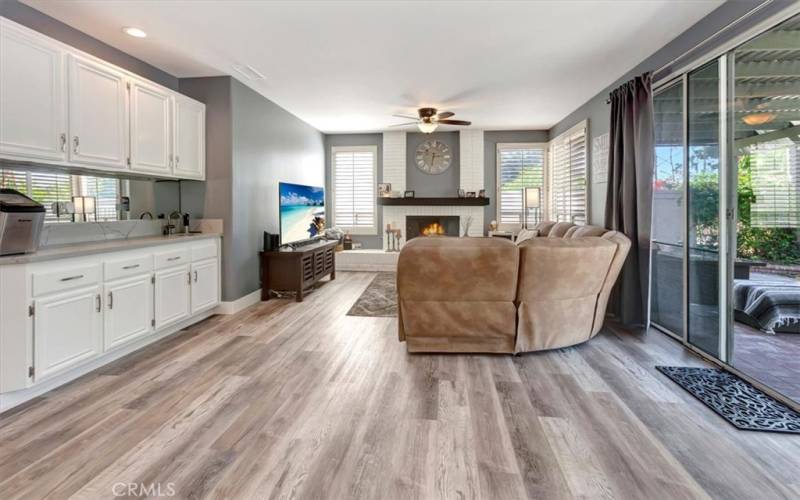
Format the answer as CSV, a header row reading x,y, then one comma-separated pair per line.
x,y
429,119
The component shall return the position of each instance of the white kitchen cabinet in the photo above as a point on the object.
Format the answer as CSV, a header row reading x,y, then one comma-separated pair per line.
x,y
190,138
205,285
67,330
63,317
129,310
172,295
32,96
98,117
151,129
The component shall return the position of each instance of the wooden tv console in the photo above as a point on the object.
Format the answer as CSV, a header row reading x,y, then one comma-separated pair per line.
x,y
298,270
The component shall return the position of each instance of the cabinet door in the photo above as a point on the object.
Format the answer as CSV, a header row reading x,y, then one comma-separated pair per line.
x,y
205,285
129,310
32,96
97,115
67,330
172,295
190,138
151,129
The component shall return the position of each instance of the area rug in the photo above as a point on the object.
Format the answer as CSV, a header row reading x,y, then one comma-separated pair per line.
x,y
735,400
379,299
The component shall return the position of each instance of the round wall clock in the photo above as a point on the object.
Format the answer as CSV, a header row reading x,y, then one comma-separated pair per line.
x,y
433,157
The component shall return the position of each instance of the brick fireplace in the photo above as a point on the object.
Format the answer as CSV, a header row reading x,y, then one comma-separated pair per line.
x,y
431,225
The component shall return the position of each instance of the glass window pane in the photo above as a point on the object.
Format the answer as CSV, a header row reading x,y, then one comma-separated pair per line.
x,y
703,207
666,296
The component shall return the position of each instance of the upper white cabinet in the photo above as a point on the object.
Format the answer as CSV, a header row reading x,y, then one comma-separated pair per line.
x,y
63,107
97,114
151,129
190,138
32,96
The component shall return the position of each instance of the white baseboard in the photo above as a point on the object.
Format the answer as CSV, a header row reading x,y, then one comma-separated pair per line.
x,y
237,305
9,400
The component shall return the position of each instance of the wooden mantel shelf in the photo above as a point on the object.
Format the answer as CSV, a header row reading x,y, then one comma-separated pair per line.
x,y
452,202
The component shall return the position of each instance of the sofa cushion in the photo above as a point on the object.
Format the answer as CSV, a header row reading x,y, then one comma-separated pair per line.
x,y
560,229
584,231
526,234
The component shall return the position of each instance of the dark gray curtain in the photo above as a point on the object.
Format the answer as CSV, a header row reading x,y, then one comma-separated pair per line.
x,y
629,195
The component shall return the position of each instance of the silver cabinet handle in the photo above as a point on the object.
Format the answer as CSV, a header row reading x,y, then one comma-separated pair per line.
x,y
63,142
190,277
177,160
76,142
173,258
111,300
195,276
70,278
132,266
98,299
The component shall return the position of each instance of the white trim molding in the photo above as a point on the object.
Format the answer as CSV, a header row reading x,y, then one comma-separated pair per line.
x,y
239,304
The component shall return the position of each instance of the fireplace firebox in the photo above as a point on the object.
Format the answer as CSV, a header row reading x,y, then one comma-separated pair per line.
x,y
431,225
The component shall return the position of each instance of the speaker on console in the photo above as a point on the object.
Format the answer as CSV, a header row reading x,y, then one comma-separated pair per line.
x,y
271,242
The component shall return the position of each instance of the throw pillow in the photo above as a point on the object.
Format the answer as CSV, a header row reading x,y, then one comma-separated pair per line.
x,y
526,234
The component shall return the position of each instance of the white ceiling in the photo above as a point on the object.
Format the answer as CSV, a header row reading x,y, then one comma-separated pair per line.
x,y
346,66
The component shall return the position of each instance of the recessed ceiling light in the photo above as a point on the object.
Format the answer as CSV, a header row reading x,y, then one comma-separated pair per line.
x,y
134,32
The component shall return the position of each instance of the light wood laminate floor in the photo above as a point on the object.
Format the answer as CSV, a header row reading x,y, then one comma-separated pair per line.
x,y
288,400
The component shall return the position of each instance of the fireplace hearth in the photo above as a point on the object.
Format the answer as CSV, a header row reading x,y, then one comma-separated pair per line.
x,y
431,225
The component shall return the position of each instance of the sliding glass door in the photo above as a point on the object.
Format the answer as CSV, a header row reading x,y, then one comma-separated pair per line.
x,y
726,209
667,260
764,329
703,206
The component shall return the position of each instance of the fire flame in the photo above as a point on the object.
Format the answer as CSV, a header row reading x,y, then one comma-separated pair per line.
x,y
433,229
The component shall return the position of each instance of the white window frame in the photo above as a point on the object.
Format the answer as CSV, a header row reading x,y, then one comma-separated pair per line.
x,y
356,230
544,197
580,126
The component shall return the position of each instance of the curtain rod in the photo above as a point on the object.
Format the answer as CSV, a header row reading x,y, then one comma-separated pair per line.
x,y
708,39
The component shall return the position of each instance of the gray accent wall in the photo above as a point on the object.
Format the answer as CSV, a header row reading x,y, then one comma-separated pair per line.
x,y
46,25
426,185
334,140
490,141
598,112
270,145
251,145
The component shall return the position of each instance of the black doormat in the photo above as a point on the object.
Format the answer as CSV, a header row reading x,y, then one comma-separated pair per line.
x,y
379,299
735,400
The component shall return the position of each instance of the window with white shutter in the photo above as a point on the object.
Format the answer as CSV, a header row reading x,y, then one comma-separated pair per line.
x,y
50,187
568,183
354,179
519,166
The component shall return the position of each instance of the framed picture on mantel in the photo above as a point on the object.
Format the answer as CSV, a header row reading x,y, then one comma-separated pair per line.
x,y
408,194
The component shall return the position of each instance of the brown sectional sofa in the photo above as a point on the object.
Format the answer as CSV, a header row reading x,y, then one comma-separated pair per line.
x,y
490,295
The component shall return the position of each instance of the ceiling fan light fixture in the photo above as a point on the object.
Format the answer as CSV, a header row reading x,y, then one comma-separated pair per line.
x,y
427,127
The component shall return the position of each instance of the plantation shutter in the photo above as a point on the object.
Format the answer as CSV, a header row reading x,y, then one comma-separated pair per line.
x,y
45,188
520,166
775,171
568,171
354,189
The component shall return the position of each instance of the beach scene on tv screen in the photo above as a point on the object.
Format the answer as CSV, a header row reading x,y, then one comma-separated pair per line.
x,y
302,212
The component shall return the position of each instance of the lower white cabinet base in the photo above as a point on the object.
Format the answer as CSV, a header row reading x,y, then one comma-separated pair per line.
x,y
10,400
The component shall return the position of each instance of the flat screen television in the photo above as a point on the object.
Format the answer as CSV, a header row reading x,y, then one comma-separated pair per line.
x,y
302,212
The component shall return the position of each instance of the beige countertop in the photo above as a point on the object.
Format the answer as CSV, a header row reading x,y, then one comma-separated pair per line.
x,y
94,247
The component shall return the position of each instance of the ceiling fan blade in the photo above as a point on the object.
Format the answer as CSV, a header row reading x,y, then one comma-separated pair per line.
x,y
454,122
445,114
406,117
403,124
